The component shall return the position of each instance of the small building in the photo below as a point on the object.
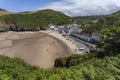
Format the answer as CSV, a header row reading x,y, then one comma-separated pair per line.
x,y
52,27
55,28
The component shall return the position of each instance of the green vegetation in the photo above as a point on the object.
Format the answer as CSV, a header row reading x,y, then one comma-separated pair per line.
x,y
107,68
37,20
110,44
103,65
89,17
86,20
74,60
106,22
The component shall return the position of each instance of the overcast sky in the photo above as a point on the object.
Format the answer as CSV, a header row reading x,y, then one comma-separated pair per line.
x,y
69,7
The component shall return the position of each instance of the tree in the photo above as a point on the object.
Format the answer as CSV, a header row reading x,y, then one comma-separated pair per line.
x,y
111,43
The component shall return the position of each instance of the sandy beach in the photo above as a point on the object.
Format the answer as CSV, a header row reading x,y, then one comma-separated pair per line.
x,y
71,44
36,48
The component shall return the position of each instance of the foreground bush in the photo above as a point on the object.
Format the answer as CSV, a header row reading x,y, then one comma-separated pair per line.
x,y
107,68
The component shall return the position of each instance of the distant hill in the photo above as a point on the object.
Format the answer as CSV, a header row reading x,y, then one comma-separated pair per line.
x,y
106,22
88,17
87,20
2,9
4,12
26,12
36,20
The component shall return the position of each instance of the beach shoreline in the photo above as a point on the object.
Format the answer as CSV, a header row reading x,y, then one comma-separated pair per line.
x,y
36,48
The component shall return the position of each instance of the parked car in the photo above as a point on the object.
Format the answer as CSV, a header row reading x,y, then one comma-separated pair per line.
x,y
82,48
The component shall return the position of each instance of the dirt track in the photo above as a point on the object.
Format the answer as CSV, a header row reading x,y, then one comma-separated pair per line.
x,y
35,48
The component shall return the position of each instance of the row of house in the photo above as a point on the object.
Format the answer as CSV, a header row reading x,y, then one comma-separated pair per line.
x,y
72,30
90,38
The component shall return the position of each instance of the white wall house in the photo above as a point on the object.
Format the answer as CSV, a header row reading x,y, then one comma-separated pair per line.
x,y
52,27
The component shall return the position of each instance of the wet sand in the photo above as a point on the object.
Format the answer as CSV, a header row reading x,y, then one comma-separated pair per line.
x,y
36,48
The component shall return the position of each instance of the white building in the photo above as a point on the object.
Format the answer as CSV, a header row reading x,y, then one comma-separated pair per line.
x,y
52,27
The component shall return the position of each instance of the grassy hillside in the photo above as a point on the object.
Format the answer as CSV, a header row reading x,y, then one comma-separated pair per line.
x,y
106,22
107,68
82,20
37,20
